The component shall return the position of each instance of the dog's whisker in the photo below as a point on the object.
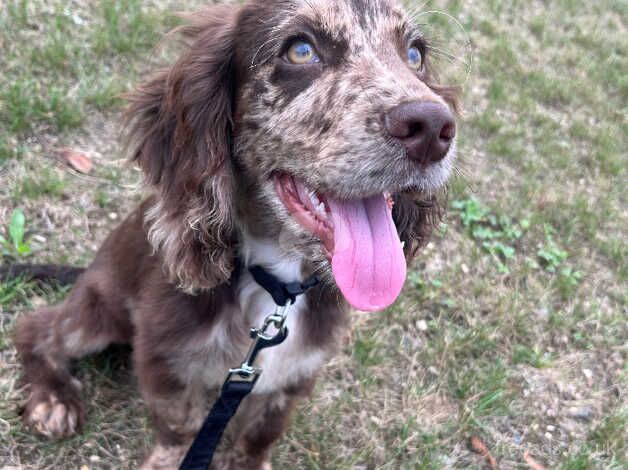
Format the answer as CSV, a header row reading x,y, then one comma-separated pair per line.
x,y
273,41
414,11
450,57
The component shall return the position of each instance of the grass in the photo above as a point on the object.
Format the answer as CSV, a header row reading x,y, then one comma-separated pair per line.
x,y
512,326
59,62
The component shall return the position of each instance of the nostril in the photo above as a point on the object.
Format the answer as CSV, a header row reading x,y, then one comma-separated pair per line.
x,y
415,128
448,132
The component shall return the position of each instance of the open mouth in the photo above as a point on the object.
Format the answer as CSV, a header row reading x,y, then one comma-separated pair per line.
x,y
358,235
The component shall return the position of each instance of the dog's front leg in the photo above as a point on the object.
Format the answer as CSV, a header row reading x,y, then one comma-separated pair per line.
x,y
176,422
177,410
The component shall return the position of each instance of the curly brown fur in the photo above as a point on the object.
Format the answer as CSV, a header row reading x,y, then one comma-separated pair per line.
x,y
211,133
183,157
416,216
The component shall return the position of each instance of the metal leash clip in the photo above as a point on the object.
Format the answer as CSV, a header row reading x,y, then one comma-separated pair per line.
x,y
247,372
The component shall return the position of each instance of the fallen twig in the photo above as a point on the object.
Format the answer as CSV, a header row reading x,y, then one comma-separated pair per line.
x,y
478,446
533,464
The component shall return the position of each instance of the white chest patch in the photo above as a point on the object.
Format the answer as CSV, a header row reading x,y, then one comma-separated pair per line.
x,y
291,361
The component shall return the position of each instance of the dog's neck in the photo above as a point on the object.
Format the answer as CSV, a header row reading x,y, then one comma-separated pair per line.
x,y
266,252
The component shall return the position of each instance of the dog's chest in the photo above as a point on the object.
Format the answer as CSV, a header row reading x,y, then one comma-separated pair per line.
x,y
291,361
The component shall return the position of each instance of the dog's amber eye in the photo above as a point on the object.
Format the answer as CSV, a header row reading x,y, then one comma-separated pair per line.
x,y
301,53
415,58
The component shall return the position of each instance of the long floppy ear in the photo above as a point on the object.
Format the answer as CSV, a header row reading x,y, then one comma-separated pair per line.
x,y
416,216
181,126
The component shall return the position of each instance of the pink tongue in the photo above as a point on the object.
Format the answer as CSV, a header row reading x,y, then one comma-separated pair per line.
x,y
368,261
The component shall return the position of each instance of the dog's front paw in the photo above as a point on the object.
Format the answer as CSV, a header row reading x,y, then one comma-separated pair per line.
x,y
52,416
164,458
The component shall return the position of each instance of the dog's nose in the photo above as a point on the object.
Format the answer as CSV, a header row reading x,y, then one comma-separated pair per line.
x,y
426,129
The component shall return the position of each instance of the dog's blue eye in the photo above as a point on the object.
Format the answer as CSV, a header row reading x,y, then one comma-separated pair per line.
x,y
301,53
415,59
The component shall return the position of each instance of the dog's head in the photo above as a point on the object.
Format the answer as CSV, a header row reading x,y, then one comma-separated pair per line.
x,y
313,122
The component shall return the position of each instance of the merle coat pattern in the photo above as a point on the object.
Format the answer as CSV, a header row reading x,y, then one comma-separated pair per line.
x,y
211,133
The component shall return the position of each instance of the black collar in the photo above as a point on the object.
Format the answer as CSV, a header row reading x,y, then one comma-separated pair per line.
x,y
281,292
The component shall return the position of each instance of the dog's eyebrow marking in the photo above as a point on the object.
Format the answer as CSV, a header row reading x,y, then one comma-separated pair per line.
x,y
332,45
331,42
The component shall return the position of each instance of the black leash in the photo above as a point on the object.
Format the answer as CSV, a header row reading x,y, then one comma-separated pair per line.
x,y
201,453
240,381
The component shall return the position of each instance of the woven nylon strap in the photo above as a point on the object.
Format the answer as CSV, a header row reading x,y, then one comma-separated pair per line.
x,y
201,452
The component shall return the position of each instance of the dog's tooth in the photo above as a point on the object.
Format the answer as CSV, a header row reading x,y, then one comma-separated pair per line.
x,y
313,198
403,245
